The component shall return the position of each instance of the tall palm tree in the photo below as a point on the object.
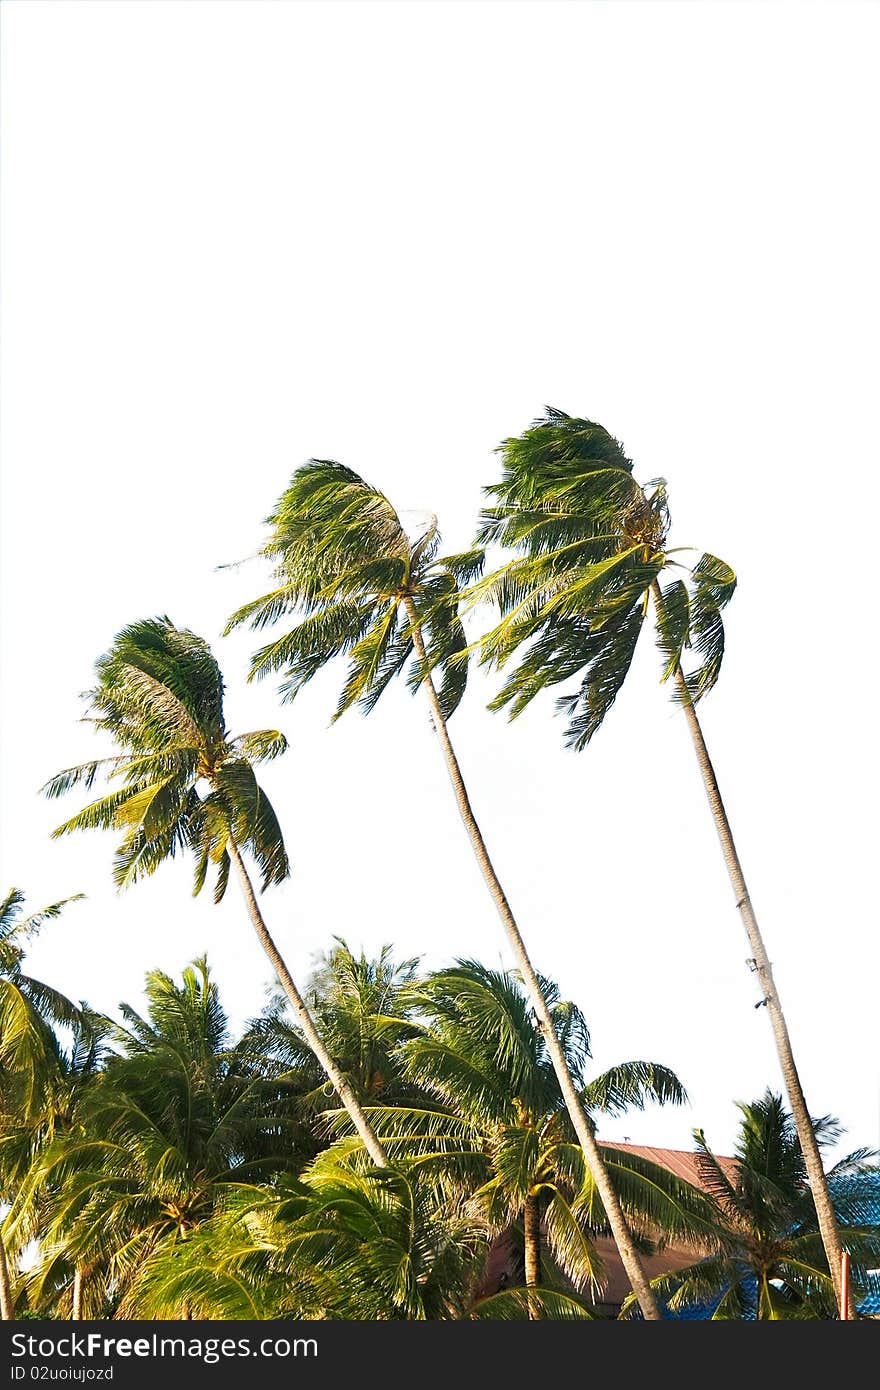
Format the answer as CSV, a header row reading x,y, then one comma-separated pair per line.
x,y
159,695
497,1099
767,1259
592,546
33,1085
359,586
178,1118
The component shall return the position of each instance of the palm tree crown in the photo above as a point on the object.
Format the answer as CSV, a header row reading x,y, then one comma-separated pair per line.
x,y
592,545
345,565
159,696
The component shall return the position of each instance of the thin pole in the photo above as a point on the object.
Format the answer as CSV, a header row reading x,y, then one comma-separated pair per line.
x,y
844,1286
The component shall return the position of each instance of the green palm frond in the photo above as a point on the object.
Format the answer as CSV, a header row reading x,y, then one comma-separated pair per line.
x,y
303,650
261,745
713,586
673,624
573,1249
632,1084
516,1152
608,656
514,1305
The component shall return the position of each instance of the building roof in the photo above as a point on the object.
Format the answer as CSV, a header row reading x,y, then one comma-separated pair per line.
x,y
681,1162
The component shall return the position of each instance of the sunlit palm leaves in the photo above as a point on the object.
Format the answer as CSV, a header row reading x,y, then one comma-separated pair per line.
x,y
178,1119
341,1243
187,783
49,1046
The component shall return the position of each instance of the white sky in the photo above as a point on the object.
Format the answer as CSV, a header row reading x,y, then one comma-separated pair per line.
x,y
237,235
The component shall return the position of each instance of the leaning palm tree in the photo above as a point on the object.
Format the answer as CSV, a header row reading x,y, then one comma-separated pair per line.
x,y
159,696
767,1259
356,584
34,1086
592,546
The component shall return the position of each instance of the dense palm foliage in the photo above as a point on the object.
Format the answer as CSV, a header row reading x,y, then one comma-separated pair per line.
x,y
179,1117
363,1008
48,1046
187,1173
767,1259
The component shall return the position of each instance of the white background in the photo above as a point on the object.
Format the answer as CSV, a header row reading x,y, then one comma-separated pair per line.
x,y
237,235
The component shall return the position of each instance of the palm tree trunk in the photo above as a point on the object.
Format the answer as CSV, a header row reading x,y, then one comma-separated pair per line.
x,y
343,1089
759,959
629,1256
76,1295
6,1307
532,1243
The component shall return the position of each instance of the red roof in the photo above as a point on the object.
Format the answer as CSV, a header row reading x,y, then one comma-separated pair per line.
x,y
681,1162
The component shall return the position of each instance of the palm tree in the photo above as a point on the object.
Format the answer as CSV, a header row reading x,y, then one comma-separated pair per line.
x,y
499,1123
592,546
160,698
34,1069
767,1259
179,1118
360,586
363,1008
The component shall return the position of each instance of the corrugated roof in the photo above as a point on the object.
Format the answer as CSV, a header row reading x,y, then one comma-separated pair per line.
x,y
681,1162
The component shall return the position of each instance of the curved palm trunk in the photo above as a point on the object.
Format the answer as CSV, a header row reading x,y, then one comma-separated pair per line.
x,y
629,1256
6,1312
343,1089
76,1295
812,1158
532,1243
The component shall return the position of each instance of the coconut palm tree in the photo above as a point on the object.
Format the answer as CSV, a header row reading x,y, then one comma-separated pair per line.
x,y
35,1071
498,1124
592,546
356,584
768,1260
159,696
363,1009
178,1118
